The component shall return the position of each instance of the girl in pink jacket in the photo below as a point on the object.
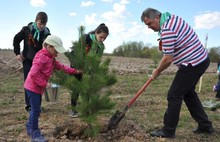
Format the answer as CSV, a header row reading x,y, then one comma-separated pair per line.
x,y
37,80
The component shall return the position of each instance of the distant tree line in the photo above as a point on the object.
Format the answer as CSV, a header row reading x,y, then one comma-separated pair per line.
x,y
214,54
139,50
6,49
132,49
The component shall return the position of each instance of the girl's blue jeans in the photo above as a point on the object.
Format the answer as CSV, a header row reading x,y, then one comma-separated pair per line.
x,y
35,102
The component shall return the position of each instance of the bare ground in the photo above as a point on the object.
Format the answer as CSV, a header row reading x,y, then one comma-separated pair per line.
x,y
54,121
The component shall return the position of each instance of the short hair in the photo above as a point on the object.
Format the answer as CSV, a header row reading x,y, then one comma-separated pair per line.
x,y
42,16
150,13
102,28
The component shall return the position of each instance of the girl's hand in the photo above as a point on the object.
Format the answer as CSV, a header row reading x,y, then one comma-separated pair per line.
x,y
79,71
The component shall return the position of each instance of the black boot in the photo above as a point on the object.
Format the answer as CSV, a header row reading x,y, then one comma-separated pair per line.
x,y
162,133
207,130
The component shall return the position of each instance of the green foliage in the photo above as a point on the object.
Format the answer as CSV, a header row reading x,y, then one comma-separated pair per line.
x,y
214,54
155,55
93,87
130,49
137,49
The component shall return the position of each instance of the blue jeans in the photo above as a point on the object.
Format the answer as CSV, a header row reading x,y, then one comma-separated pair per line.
x,y
35,102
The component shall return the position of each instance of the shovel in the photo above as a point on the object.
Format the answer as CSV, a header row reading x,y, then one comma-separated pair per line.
x,y
118,116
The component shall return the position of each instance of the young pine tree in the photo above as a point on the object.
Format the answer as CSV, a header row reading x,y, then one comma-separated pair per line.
x,y
96,78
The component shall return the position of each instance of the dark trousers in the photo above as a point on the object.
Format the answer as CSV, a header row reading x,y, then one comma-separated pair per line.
x,y
217,95
74,97
183,88
218,92
27,63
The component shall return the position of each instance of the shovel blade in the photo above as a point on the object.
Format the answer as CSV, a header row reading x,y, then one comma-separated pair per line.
x,y
115,119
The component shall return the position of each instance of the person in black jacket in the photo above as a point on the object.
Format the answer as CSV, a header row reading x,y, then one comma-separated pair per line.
x,y
96,36
32,36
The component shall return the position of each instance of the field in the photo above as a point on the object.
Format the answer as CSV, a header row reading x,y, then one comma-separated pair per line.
x,y
145,115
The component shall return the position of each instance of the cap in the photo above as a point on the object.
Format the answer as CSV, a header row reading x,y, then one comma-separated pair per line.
x,y
56,42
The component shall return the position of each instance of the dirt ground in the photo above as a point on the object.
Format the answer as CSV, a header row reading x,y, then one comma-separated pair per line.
x,y
55,123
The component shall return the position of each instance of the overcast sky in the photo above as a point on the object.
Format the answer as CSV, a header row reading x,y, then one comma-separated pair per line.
x,y
121,16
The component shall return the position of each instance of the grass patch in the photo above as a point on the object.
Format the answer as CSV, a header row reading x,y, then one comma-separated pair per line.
x,y
147,111
12,84
5,102
149,108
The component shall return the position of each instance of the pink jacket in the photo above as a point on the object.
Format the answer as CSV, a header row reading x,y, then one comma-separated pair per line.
x,y
42,68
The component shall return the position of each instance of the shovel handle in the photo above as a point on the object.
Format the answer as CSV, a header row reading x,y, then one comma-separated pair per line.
x,y
139,92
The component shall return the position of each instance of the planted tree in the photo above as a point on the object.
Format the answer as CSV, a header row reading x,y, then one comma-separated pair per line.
x,y
93,87
155,55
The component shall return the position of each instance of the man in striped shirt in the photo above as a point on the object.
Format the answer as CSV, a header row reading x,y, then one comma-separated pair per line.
x,y
180,46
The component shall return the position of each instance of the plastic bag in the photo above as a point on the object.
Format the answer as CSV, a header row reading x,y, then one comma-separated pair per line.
x,y
218,71
216,87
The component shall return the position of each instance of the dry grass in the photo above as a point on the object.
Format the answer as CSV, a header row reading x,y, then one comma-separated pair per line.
x,y
145,115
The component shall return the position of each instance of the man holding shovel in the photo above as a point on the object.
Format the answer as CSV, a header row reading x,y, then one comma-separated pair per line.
x,y
180,46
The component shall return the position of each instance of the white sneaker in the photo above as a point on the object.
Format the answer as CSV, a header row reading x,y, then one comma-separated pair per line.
x,y
214,88
73,114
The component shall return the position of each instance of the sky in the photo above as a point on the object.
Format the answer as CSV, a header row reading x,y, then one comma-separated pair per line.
x,y
122,17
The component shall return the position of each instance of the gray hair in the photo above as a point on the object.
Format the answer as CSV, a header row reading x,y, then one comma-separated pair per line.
x,y
150,13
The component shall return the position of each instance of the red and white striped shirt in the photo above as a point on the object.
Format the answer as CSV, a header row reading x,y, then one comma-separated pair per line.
x,y
181,41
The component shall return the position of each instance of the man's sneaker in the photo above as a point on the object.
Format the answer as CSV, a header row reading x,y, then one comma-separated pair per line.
x,y
37,137
73,114
208,130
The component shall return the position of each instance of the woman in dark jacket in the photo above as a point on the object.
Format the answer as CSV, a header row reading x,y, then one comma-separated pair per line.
x,y
94,46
